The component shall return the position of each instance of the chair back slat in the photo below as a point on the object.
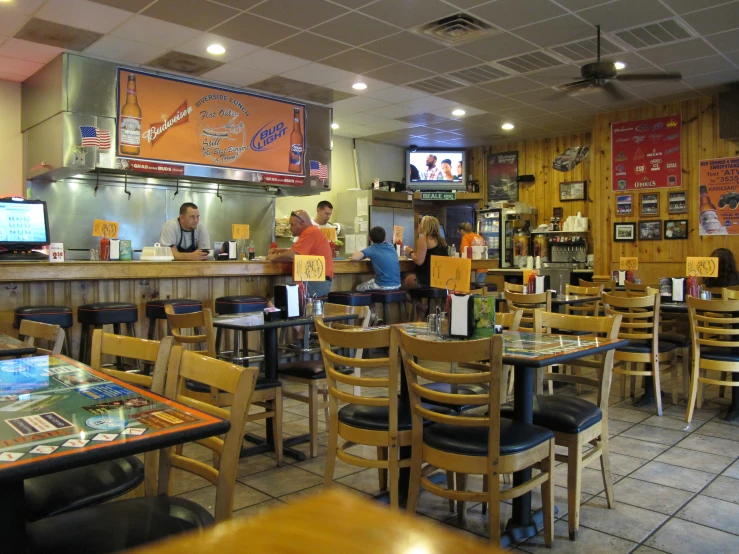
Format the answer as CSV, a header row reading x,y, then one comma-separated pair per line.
x,y
512,287
714,323
640,315
35,330
729,294
605,285
588,308
202,320
362,312
528,303
639,287
510,321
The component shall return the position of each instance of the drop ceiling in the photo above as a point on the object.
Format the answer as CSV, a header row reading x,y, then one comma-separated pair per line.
x,y
314,50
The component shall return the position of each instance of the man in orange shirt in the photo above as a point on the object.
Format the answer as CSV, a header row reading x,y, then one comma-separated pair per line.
x,y
311,242
470,238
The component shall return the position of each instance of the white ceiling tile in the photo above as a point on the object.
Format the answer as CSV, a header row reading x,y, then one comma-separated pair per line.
x,y
346,129
270,61
317,74
365,131
391,125
395,94
393,111
11,22
14,66
83,14
429,103
359,118
345,85
236,76
32,51
234,48
358,104
468,111
156,32
26,7
122,50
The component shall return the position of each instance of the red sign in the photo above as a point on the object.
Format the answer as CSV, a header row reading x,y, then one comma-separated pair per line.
x,y
646,154
281,179
144,166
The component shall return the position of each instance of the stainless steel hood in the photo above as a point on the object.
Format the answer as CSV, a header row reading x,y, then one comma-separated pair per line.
x,y
73,91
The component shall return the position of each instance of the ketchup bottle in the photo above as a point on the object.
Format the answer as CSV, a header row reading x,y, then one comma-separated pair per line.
x,y
104,249
531,285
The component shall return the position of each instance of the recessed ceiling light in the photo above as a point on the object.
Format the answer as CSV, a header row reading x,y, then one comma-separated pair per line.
x,y
334,125
507,126
359,86
216,49
619,65
458,112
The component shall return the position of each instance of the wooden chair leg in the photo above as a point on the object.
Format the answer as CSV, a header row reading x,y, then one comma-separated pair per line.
x,y
324,393
414,486
485,485
450,486
686,373
657,388
605,466
313,418
637,367
574,484
547,496
277,425
623,386
693,391
393,473
575,370
494,508
505,374
461,485
701,386
673,372
722,389
333,440
382,473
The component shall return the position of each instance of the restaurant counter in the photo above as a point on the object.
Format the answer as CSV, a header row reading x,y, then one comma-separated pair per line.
x,y
81,282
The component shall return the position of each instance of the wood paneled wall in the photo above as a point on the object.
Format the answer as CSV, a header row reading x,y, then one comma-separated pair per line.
x,y
700,140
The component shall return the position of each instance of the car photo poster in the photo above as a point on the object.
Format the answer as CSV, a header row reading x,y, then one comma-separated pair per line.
x,y
168,120
719,196
646,154
502,176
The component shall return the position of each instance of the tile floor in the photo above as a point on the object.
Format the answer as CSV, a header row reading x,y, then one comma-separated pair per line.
x,y
676,486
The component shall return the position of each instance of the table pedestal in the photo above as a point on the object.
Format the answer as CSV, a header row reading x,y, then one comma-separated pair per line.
x,y
733,412
11,514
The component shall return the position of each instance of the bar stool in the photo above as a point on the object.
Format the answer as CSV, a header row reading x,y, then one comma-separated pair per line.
x,y
350,298
387,298
96,314
434,298
238,305
53,315
155,311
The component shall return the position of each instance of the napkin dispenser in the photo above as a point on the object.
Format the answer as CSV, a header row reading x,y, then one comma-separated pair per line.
x,y
462,316
678,289
115,249
287,299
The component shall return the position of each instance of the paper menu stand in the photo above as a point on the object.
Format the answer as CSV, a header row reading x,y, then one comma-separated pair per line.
x,y
540,283
678,289
56,252
462,318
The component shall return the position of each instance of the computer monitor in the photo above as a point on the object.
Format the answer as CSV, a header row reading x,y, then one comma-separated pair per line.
x,y
24,225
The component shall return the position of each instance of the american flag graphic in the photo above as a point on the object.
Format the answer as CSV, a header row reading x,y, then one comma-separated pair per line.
x,y
92,136
317,169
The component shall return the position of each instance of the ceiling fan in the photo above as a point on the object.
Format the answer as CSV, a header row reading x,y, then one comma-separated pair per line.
x,y
602,74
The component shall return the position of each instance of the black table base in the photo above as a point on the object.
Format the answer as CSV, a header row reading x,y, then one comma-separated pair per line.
x,y
267,445
11,514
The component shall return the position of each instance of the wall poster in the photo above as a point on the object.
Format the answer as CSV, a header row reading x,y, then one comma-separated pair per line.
x,y
719,196
167,120
646,154
502,175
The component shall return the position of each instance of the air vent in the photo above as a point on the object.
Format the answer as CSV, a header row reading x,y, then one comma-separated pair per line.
x,y
456,29
654,34
587,49
530,62
184,63
435,85
479,74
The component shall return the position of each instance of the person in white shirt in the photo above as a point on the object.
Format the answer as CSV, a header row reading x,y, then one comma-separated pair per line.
x,y
324,209
188,239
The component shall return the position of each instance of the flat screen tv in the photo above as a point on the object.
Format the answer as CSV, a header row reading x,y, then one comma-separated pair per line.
x,y
436,169
24,224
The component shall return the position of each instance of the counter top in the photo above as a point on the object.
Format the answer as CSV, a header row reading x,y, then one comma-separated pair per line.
x,y
84,270
516,270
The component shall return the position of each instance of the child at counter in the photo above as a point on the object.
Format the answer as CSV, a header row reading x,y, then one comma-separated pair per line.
x,y
384,260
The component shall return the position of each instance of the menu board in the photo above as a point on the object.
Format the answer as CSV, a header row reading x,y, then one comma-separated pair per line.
x,y
646,154
719,196
168,120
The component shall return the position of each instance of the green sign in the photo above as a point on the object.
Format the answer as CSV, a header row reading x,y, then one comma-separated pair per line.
x,y
438,196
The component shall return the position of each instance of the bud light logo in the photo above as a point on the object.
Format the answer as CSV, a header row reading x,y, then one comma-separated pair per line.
x,y
297,149
266,136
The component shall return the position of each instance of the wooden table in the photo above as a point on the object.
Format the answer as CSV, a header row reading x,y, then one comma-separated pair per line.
x,y
557,301
12,347
333,522
59,414
526,352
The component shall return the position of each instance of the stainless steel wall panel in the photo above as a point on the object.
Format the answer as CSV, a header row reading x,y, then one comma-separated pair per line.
x,y
43,94
92,86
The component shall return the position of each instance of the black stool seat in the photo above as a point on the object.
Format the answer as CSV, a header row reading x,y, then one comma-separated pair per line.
x,y
515,437
562,414
376,418
116,526
388,296
428,292
719,354
678,339
645,347
53,315
155,308
308,369
350,298
239,304
107,313
58,493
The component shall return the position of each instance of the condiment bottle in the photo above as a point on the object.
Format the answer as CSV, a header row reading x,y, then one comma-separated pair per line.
x,y
531,285
104,249
252,252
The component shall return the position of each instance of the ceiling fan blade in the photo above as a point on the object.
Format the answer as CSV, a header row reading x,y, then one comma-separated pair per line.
x,y
613,92
578,83
650,77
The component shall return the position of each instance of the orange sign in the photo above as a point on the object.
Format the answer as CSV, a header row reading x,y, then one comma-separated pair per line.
x,y
451,273
701,267
239,231
330,233
628,264
103,228
164,119
719,197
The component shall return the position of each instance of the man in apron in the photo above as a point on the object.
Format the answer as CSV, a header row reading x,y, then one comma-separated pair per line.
x,y
188,240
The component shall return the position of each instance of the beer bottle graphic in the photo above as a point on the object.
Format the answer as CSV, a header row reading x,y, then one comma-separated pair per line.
x,y
709,221
130,121
296,145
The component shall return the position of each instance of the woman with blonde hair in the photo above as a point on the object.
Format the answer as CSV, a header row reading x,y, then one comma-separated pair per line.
x,y
430,243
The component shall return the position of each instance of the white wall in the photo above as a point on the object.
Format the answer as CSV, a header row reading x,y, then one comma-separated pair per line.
x,y
11,139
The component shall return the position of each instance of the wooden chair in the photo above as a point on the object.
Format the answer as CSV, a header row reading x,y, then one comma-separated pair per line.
x,y
483,444
52,334
606,284
510,321
639,288
364,420
574,421
267,394
640,326
714,328
312,374
512,287
65,491
588,309
126,524
528,303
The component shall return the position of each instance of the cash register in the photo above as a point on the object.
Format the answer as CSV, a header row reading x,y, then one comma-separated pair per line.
x,y
24,226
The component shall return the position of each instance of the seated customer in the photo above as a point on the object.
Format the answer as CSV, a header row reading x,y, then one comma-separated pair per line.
x,y
384,260
727,273
430,243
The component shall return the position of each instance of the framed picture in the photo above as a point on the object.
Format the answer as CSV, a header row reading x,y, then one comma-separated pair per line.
x,y
649,204
624,232
624,204
573,190
650,230
676,229
676,203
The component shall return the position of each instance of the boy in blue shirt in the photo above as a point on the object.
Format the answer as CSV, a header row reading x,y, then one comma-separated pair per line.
x,y
384,260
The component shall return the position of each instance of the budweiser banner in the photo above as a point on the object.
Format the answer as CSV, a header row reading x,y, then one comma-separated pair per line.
x,y
646,154
719,196
161,119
